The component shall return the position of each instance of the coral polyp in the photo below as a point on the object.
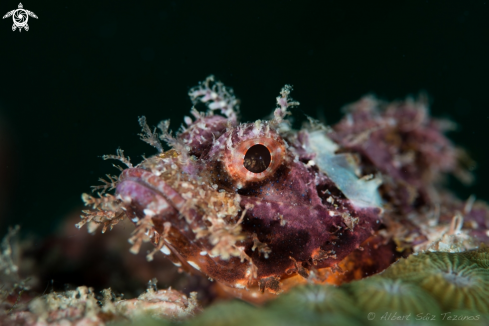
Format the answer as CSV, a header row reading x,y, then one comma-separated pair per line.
x,y
479,256
383,294
454,280
319,299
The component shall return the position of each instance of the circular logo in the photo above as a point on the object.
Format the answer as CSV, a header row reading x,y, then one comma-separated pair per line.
x,y
20,17
371,316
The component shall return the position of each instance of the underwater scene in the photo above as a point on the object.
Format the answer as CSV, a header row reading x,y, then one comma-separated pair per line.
x,y
238,163
321,224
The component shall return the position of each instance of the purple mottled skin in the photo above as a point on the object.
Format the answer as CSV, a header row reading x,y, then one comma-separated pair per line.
x,y
252,204
402,142
294,216
289,213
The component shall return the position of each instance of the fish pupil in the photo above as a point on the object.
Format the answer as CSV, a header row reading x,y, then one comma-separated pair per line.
x,y
257,158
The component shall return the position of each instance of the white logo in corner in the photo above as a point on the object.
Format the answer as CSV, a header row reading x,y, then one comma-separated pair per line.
x,y
20,17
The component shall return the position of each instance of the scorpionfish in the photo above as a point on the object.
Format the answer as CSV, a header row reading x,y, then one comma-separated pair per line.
x,y
249,205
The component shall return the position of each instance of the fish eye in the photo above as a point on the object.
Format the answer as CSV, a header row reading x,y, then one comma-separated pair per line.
x,y
254,159
257,158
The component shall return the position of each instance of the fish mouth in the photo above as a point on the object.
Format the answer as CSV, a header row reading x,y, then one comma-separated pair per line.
x,y
147,197
143,201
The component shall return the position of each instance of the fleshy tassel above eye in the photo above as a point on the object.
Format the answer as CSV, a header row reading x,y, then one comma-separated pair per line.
x,y
255,158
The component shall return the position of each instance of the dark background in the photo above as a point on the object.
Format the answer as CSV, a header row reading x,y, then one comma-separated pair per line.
x,y
73,86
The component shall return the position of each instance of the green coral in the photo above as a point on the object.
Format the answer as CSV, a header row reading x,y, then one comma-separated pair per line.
x,y
454,280
381,294
318,299
479,256
275,314
315,305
